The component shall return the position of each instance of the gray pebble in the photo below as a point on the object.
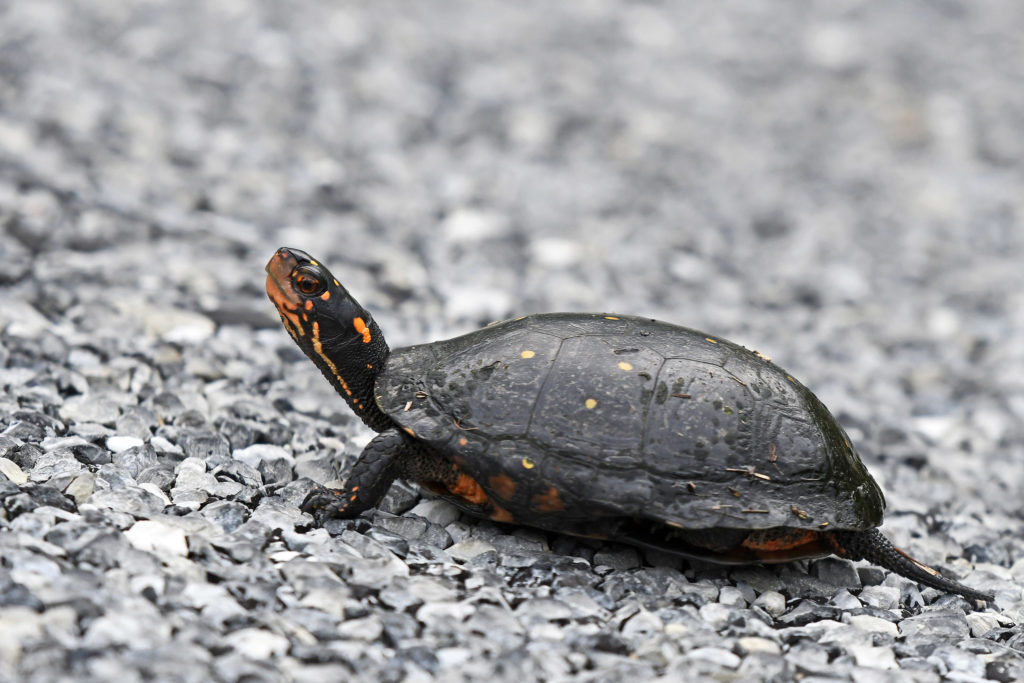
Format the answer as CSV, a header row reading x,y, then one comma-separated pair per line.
x,y
618,558
228,515
756,645
837,572
938,624
204,445
469,548
733,597
807,612
435,510
886,597
772,602
866,622
132,500
135,459
90,408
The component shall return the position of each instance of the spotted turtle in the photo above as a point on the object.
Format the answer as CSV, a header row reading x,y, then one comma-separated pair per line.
x,y
597,425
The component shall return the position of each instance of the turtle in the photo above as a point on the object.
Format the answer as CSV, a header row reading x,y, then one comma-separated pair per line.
x,y
598,425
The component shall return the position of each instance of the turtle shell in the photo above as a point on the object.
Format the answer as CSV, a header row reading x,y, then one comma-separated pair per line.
x,y
567,418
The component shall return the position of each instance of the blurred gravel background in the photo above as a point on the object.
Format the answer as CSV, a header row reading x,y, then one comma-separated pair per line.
x,y
838,185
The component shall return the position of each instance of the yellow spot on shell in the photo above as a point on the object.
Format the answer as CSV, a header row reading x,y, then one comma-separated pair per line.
x,y
313,263
528,464
337,284
623,365
528,354
610,317
590,404
709,339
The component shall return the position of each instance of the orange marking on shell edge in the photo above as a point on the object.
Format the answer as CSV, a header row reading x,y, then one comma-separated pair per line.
x,y
326,295
610,317
500,514
709,339
466,488
773,543
362,329
549,501
409,431
502,485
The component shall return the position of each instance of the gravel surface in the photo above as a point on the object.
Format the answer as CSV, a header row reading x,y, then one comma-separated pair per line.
x,y
837,185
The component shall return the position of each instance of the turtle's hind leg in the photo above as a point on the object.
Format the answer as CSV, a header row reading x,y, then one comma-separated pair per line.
x,y
872,546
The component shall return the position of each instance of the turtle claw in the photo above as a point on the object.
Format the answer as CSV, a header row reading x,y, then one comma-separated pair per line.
x,y
324,504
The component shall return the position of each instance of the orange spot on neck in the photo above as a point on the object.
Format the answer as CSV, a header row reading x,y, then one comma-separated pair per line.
x,y
362,329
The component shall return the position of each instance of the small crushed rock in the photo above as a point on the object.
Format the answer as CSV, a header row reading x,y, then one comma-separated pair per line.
x,y
840,187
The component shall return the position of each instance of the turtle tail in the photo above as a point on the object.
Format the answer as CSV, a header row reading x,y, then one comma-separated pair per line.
x,y
872,546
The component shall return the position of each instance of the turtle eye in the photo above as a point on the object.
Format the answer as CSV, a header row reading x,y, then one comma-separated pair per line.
x,y
308,283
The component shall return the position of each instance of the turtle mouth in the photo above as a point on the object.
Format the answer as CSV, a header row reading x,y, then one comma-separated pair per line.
x,y
279,274
279,289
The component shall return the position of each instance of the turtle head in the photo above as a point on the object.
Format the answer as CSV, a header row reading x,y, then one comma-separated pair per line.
x,y
331,328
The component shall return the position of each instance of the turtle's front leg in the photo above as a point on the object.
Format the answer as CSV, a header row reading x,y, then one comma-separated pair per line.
x,y
389,455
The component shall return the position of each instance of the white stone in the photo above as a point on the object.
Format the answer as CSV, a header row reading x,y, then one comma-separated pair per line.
x,y
158,538
981,623
469,548
165,447
873,657
717,655
10,469
715,614
260,452
257,644
473,225
886,597
156,491
866,622
118,444
754,644
772,602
